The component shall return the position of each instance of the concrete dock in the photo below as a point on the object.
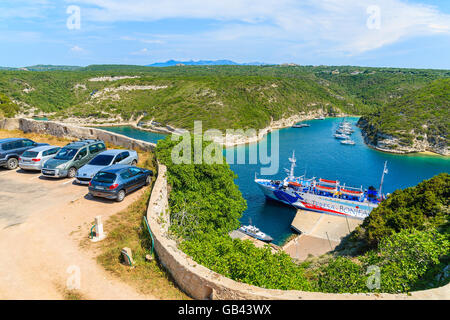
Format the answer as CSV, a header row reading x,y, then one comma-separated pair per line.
x,y
319,233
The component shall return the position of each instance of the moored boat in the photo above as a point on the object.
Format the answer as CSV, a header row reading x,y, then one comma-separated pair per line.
x,y
348,142
322,195
301,125
341,136
254,232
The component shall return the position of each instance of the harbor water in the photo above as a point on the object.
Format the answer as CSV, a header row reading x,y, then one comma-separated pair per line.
x,y
319,155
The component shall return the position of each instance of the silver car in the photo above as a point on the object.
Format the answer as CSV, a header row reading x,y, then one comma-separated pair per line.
x,y
103,160
33,159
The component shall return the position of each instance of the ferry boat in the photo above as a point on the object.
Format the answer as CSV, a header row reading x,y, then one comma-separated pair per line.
x,y
322,195
254,232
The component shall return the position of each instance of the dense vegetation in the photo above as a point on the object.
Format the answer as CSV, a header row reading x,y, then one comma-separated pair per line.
x,y
423,114
206,205
7,108
421,207
237,96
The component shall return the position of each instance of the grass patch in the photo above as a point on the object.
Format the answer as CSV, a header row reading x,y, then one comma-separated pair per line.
x,y
37,137
73,295
126,229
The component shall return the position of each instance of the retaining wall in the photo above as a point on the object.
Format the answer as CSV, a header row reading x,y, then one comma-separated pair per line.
x,y
201,283
74,132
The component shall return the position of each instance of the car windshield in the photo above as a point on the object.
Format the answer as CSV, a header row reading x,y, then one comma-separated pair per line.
x,y
105,177
101,160
66,154
30,154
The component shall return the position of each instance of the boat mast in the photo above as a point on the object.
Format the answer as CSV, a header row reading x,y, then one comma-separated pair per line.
x,y
292,161
385,171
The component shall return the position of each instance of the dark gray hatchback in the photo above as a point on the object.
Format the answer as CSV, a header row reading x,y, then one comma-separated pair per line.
x,y
115,181
12,148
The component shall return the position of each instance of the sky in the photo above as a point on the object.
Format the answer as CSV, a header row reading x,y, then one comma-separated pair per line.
x,y
389,33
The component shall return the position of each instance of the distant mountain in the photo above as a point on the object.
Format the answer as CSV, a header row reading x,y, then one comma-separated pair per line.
x,y
171,63
43,67
49,67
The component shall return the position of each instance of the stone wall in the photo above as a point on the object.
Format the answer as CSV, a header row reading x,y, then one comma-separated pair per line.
x,y
74,132
201,283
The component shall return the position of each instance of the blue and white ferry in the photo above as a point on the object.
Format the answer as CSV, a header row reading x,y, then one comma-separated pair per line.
x,y
322,195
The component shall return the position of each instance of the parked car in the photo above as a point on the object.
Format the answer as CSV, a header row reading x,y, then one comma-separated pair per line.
x,y
12,148
34,158
106,159
71,158
116,181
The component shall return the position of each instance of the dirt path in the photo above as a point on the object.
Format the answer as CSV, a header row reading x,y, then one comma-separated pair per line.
x,y
40,255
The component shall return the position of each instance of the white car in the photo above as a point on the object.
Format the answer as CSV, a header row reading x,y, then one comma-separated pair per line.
x,y
103,160
34,158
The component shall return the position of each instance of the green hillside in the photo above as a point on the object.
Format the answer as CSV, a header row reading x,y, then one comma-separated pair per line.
x,y
421,116
220,96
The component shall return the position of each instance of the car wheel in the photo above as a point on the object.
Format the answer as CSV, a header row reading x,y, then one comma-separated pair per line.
x,y
120,196
12,163
148,181
134,162
72,172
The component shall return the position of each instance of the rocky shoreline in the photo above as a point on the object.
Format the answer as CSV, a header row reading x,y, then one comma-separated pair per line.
x,y
390,144
231,140
385,143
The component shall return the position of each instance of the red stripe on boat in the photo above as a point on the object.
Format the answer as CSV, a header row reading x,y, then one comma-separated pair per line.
x,y
323,187
351,191
317,208
327,181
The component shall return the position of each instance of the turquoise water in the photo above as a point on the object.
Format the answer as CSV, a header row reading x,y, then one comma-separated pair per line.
x,y
320,155
136,134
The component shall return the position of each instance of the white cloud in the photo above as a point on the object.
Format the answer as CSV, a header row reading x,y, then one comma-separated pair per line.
x,y
77,49
335,25
142,52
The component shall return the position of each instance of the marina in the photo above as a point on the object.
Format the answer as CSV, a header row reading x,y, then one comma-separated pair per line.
x,y
318,153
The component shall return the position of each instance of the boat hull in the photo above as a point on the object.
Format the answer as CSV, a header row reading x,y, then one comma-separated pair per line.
x,y
266,238
323,204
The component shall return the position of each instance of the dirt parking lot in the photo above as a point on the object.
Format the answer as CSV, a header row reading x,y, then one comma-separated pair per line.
x,y
42,222
25,192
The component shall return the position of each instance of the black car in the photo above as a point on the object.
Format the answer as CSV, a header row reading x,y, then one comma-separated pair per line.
x,y
115,181
12,148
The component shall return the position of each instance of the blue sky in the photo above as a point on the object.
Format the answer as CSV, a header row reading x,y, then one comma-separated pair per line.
x,y
394,33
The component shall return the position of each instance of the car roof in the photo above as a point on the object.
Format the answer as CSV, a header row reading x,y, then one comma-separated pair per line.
x,y
82,143
115,168
113,152
42,148
10,139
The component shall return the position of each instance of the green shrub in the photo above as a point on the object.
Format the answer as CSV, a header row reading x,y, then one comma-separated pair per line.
x,y
415,207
